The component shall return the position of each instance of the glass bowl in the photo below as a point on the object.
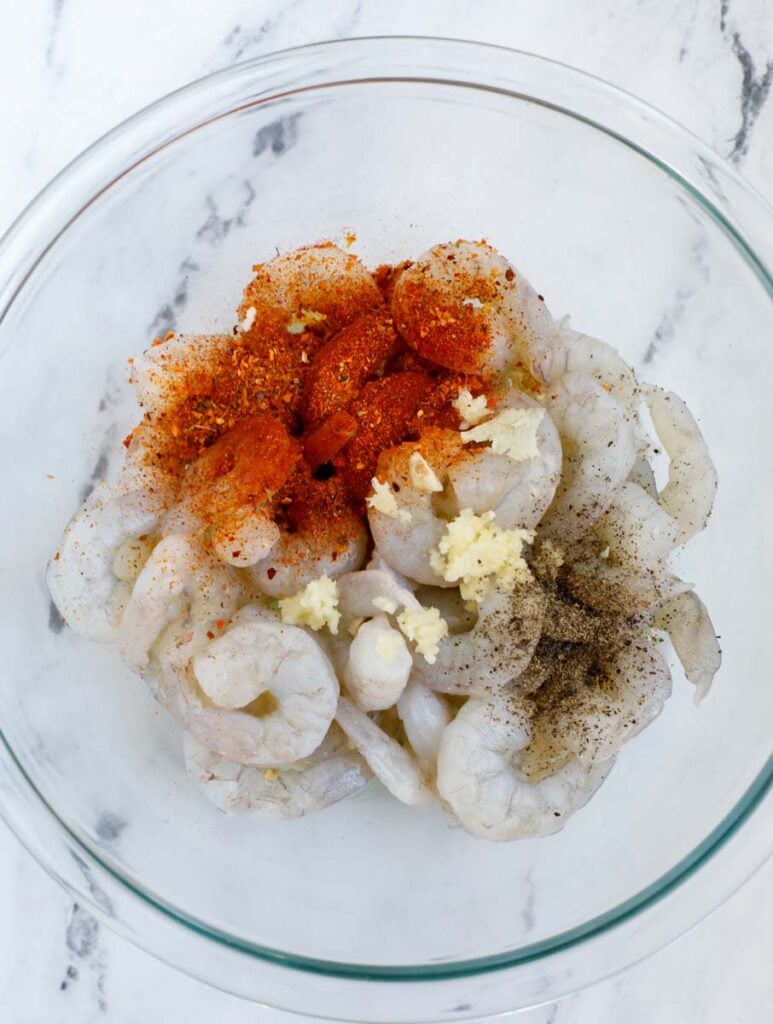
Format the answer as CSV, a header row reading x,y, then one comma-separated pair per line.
x,y
372,910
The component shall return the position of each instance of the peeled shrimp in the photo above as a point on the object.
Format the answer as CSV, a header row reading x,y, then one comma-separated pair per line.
x,y
517,491
497,648
378,665
299,558
179,573
359,593
480,778
636,536
406,536
581,353
595,721
462,305
686,620
230,488
317,287
331,773
599,452
424,715
323,536
692,479
262,693
81,577
390,763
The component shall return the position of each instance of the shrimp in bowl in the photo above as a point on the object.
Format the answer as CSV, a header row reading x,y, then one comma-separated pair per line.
x,y
400,528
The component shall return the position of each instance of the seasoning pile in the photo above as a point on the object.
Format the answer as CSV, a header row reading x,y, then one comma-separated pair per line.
x,y
401,524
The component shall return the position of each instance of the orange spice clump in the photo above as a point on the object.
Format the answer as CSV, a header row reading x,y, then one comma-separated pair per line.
x,y
322,444
291,414
385,412
358,352
243,469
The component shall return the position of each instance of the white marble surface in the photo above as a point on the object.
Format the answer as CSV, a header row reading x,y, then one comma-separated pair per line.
x,y
70,69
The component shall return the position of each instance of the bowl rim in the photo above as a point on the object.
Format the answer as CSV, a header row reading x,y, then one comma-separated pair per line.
x,y
21,250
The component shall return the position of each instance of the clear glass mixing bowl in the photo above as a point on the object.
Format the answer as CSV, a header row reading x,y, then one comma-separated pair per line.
x,y
371,910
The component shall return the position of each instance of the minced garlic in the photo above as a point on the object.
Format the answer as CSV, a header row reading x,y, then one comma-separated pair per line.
x,y
512,432
472,410
475,552
383,500
315,606
306,318
422,475
389,644
249,318
271,774
425,628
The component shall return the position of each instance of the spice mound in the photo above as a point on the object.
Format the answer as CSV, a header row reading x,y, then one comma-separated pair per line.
x,y
399,523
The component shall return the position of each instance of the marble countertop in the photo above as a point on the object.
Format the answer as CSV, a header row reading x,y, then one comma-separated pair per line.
x,y
69,70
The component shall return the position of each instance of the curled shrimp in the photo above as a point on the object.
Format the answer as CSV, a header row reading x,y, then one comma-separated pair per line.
x,y
692,478
321,536
496,650
361,594
518,491
626,693
318,288
262,693
231,488
180,574
599,452
409,527
636,536
480,777
89,578
686,620
391,764
462,305
581,353
425,715
378,665
330,774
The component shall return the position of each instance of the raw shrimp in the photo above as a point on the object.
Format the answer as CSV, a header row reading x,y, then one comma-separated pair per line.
x,y
231,486
378,665
406,533
262,693
462,305
497,648
318,287
180,572
81,576
321,536
360,593
599,452
424,715
331,773
692,479
480,778
636,536
686,620
181,354
627,692
585,354
390,763
517,491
